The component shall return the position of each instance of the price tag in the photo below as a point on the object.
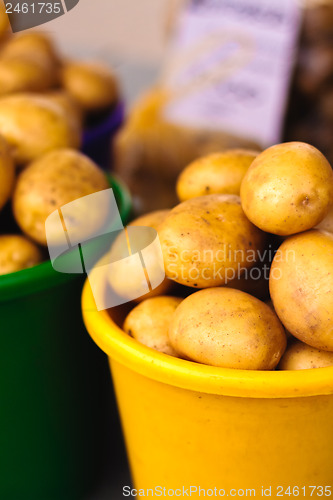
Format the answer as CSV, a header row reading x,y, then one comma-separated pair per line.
x,y
230,66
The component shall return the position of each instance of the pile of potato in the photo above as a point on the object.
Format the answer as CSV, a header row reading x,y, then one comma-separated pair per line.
x,y
45,103
30,62
254,233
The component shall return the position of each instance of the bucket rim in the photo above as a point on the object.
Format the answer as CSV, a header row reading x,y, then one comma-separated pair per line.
x,y
123,349
42,276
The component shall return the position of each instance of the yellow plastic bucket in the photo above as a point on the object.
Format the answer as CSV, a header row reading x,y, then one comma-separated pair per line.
x,y
198,431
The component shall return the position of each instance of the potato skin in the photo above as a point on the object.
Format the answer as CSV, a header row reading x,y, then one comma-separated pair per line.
x,y
92,85
219,173
28,43
227,328
34,126
131,288
149,323
53,181
68,105
207,241
28,63
301,287
152,219
300,356
25,74
17,253
288,189
7,172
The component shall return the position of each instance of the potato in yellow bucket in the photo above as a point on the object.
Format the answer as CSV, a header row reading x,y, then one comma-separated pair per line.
x,y
288,189
149,323
206,241
227,328
301,287
300,356
216,173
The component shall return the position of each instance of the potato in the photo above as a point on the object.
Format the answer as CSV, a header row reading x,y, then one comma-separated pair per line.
x,y
133,287
25,74
208,241
17,253
4,22
153,219
34,126
301,287
288,189
31,43
300,356
227,328
149,323
92,85
68,105
7,172
216,173
53,181
327,223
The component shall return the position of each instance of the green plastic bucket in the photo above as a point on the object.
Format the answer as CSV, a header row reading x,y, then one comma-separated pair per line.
x,y
54,385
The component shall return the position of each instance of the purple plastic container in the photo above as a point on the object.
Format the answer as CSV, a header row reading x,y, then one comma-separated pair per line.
x,y
97,139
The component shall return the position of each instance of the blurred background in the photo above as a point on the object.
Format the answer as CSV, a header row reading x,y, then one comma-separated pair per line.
x,y
132,36
279,87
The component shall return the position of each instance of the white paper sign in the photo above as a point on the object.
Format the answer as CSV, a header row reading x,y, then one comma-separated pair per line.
x,y
230,66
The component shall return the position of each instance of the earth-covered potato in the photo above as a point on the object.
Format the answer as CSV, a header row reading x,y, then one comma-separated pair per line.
x,y
301,287
7,172
52,181
208,241
17,253
327,223
149,323
216,173
92,85
34,126
288,189
300,356
132,289
227,328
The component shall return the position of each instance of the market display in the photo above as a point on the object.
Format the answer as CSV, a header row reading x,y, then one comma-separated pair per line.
x,y
46,103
